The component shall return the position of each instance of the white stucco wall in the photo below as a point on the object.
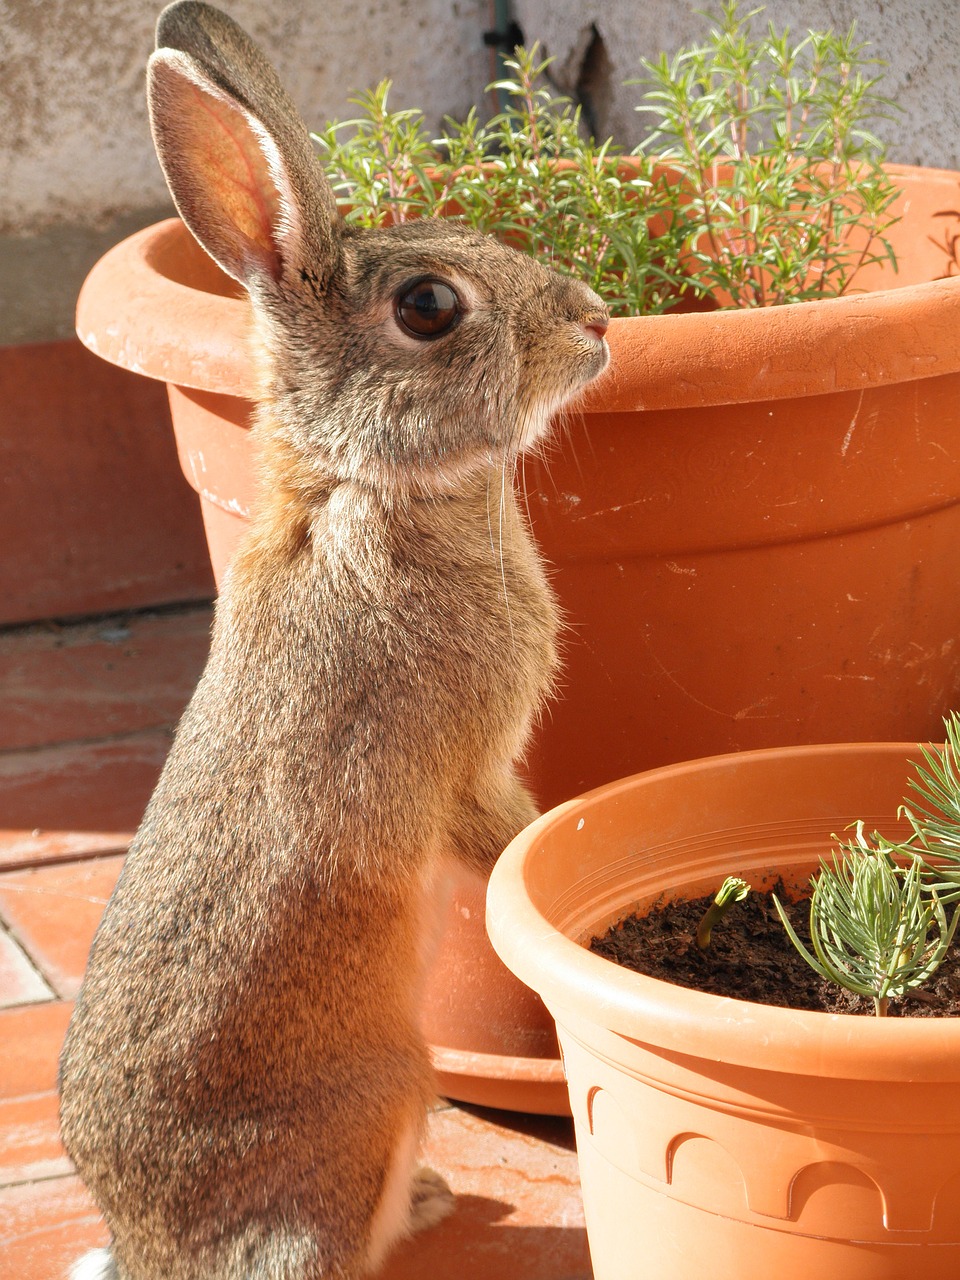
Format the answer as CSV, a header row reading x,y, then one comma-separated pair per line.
x,y
918,39
74,143
77,168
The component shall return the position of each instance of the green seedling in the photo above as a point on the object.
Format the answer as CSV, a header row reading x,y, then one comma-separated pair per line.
x,y
732,890
877,929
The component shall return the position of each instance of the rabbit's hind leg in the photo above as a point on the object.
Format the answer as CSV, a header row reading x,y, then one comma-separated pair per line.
x,y
431,1199
413,1198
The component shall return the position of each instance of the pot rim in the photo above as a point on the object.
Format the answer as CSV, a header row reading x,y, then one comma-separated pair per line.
x,y
168,330
677,1020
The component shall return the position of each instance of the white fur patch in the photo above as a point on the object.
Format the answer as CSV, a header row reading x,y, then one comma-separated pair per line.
x,y
97,1265
391,1221
431,1199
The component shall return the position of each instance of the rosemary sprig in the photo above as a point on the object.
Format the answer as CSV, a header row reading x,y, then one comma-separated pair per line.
x,y
876,928
785,197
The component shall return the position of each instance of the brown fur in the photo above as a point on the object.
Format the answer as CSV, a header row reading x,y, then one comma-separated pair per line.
x,y
243,1081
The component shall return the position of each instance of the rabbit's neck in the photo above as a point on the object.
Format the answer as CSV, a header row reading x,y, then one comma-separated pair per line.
x,y
294,496
352,533
293,488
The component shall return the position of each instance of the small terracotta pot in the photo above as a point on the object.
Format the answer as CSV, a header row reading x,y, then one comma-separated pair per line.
x,y
715,1136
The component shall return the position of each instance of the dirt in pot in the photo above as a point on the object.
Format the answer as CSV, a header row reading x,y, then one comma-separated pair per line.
x,y
750,957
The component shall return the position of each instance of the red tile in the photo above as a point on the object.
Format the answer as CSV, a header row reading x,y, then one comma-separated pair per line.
x,y
45,1227
30,1147
98,786
518,1211
30,1040
38,847
54,911
99,679
20,983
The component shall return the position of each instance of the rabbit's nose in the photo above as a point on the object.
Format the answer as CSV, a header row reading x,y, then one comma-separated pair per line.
x,y
595,326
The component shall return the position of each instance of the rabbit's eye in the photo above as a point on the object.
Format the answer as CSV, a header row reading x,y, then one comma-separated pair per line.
x,y
427,308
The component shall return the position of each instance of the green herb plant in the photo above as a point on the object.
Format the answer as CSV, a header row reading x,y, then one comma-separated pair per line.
x,y
761,181
878,920
875,927
530,175
783,194
933,810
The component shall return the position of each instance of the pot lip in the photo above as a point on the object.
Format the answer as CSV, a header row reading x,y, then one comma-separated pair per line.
x,y
575,983
135,315
168,330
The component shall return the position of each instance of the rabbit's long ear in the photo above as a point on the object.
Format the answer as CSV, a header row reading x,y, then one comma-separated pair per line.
x,y
236,155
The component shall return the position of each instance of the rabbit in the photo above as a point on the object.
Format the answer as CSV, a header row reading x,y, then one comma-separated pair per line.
x,y
243,1083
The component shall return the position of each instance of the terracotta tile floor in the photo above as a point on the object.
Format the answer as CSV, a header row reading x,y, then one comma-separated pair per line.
x,y
85,718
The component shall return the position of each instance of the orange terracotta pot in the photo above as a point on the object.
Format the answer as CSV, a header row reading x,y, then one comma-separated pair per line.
x,y
715,1136
752,523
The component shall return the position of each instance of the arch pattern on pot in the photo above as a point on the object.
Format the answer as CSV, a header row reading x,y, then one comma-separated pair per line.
x,y
741,1163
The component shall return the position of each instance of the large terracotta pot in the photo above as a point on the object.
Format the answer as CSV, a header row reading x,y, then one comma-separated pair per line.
x,y
715,1136
753,523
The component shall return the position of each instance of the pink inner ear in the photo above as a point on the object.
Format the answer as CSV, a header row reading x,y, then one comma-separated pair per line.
x,y
237,175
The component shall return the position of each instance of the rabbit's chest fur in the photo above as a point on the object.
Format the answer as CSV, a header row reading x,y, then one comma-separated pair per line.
x,y
412,640
366,694
449,592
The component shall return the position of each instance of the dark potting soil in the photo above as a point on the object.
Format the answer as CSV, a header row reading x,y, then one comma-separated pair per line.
x,y
750,957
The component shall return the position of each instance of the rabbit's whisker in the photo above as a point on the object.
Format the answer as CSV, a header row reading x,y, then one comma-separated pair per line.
x,y
503,575
493,542
520,467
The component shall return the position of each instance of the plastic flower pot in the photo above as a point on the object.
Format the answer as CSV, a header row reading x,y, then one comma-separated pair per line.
x,y
716,1136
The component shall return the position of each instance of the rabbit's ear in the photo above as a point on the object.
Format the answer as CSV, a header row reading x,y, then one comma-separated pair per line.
x,y
236,155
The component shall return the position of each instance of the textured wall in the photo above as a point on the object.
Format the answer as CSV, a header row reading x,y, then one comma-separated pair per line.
x,y
73,121
77,168
919,40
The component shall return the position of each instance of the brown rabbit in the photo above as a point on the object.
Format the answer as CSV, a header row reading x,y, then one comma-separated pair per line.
x,y
243,1082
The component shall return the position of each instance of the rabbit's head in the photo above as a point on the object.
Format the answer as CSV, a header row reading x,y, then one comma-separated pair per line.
x,y
406,358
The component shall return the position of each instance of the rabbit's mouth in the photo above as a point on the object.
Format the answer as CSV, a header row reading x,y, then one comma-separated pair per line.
x,y
537,422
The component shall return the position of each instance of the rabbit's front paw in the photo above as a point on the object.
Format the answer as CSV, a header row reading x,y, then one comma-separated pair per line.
x,y
431,1200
